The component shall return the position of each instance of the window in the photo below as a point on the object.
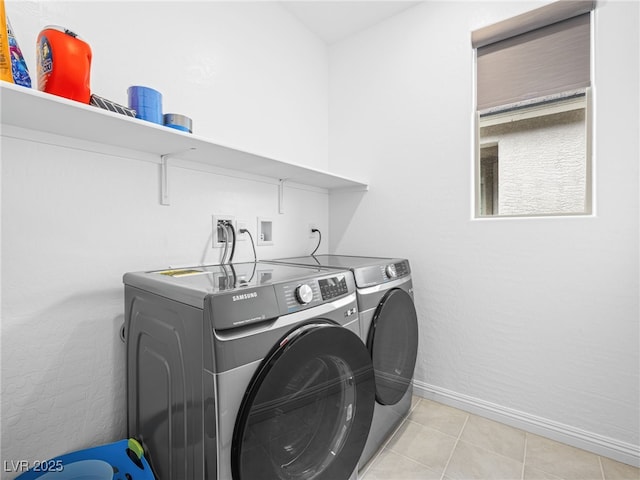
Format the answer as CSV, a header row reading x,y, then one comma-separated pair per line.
x,y
533,160
533,113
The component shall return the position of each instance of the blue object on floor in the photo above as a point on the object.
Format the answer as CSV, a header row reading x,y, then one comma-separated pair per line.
x,y
122,460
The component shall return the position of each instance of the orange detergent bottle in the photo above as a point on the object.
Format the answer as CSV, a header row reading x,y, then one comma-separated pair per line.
x,y
5,59
64,64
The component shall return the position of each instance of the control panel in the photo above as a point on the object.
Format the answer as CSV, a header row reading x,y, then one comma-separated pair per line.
x,y
395,270
299,294
382,273
333,287
314,291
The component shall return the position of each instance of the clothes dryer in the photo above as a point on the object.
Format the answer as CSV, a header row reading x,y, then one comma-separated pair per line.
x,y
389,328
247,371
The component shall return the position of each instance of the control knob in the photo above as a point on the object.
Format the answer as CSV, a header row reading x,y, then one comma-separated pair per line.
x,y
304,294
391,271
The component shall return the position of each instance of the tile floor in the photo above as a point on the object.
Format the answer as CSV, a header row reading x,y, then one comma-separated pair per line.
x,y
437,442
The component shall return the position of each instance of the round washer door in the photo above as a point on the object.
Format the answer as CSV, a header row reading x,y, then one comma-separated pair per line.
x,y
393,344
308,409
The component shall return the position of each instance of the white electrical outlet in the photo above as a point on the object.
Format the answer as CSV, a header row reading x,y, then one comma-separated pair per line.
x,y
313,234
217,238
242,225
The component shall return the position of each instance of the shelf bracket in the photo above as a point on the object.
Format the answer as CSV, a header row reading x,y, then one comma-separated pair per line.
x,y
281,195
164,175
164,181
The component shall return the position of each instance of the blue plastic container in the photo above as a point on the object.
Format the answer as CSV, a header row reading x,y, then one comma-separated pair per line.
x,y
147,103
122,460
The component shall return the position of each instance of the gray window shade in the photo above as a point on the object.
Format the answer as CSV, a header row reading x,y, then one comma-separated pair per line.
x,y
534,55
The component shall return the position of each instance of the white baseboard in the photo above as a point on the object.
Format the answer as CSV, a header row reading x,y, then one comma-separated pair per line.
x,y
592,442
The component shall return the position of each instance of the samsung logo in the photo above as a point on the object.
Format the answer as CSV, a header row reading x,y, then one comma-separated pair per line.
x,y
244,296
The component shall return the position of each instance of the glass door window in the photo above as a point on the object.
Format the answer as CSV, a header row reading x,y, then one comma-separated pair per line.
x,y
308,410
393,343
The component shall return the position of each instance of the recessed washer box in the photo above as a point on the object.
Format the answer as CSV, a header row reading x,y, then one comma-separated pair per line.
x,y
265,231
217,237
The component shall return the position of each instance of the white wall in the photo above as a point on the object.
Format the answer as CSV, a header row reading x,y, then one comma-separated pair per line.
x,y
74,220
533,321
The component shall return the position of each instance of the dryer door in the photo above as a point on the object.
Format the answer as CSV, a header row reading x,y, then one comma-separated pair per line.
x,y
308,409
393,344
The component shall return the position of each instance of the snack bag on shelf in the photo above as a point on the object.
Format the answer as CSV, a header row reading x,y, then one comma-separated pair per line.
x,y
19,68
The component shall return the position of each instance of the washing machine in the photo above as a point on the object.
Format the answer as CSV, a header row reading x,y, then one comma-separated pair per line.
x,y
247,371
389,328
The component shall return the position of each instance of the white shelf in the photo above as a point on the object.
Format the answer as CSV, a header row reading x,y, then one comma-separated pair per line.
x,y
38,111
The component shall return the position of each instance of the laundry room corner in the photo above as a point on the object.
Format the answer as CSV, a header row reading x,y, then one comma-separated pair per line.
x,y
531,318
